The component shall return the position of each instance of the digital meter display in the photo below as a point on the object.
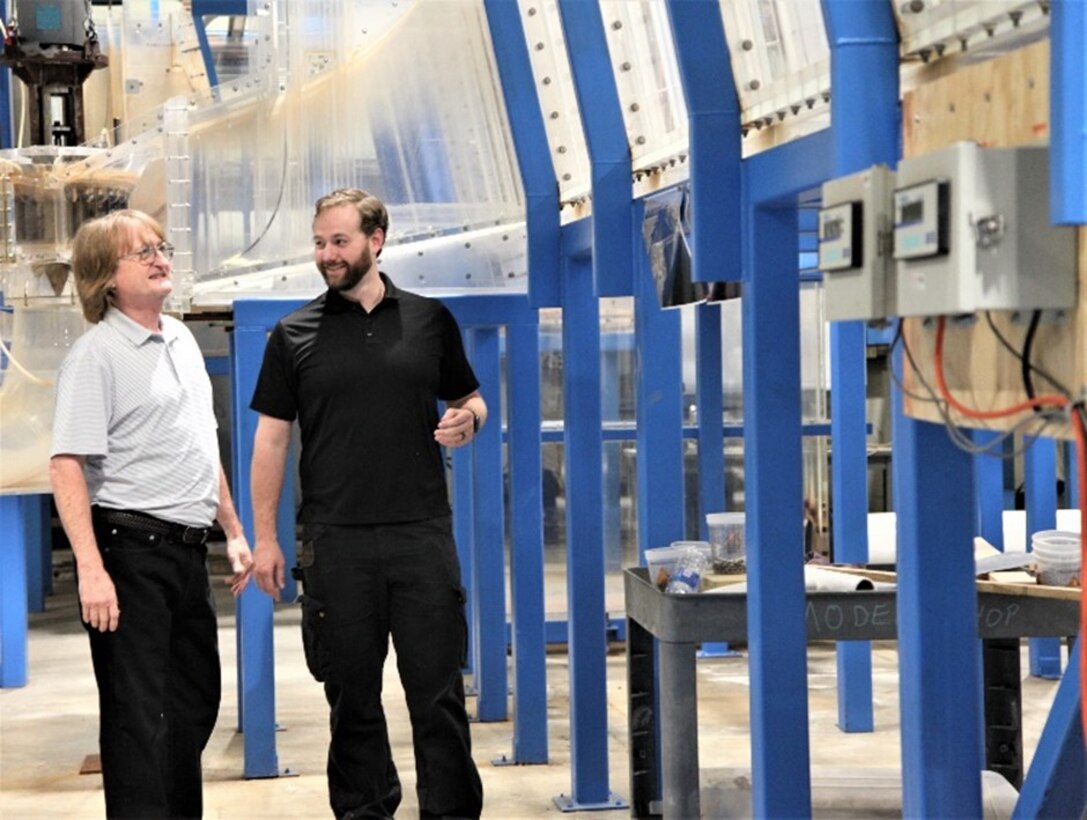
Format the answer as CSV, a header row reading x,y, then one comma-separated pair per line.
x,y
840,244
922,216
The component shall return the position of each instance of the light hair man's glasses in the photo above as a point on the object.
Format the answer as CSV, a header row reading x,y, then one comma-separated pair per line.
x,y
146,254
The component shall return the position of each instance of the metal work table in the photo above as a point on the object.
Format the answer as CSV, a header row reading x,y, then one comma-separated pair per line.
x,y
681,622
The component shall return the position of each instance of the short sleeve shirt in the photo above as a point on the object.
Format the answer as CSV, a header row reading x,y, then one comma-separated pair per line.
x,y
138,405
364,388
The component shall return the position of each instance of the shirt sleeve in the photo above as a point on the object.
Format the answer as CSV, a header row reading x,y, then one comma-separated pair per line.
x,y
275,393
83,404
457,379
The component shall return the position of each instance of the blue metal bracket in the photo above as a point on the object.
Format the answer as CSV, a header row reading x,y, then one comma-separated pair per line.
x,y
210,8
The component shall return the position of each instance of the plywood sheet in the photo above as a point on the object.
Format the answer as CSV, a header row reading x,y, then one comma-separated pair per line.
x,y
1001,102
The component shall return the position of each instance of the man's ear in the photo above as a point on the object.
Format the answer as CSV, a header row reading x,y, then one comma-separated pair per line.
x,y
377,240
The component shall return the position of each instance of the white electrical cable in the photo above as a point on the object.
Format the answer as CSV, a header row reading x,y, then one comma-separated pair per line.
x,y
15,363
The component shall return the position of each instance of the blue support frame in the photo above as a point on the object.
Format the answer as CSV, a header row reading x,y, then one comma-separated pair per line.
x,y
1040,483
13,587
709,404
941,752
6,140
582,412
660,413
1068,112
533,152
526,548
488,546
609,152
713,115
864,76
210,8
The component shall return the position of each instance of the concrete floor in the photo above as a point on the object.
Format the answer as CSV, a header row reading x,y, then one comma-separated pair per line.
x,y
48,728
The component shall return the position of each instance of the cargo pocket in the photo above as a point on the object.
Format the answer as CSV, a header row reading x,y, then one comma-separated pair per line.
x,y
314,640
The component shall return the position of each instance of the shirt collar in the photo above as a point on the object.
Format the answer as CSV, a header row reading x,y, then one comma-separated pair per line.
x,y
336,303
136,333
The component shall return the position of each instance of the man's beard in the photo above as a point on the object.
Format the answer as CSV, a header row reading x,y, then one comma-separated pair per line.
x,y
352,276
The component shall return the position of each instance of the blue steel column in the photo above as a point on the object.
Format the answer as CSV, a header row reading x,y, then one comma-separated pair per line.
x,y
939,702
526,548
1040,483
256,652
584,540
865,122
989,491
1068,112
609,151
13,610
489,568
659,432
709,404
5,99
773,489
533,152
1055,785
713,115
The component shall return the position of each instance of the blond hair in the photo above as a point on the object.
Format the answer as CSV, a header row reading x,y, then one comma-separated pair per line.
x,y
96,251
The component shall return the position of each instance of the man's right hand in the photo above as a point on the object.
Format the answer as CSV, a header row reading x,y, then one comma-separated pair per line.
x,y
98,600
269,567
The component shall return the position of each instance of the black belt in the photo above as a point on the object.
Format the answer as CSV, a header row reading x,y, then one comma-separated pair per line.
x,y
142,522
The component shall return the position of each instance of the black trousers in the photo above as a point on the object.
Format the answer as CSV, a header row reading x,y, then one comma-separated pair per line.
x,y
363,584
158,675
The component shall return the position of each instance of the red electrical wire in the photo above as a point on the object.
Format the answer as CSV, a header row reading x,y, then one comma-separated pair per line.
x,y
1079,430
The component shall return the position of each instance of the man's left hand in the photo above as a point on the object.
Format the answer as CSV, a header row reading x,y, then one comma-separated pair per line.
x,y
455,428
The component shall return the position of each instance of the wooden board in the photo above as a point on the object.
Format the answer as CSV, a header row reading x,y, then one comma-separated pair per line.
x,y
1031,590
1000,102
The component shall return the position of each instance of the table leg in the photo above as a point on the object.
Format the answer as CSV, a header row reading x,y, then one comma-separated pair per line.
x,y
679,730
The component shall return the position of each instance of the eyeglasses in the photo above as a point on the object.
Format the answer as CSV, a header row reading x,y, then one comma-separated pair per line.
x,y
146,254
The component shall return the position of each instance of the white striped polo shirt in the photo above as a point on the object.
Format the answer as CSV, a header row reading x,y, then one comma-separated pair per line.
x,y
138,404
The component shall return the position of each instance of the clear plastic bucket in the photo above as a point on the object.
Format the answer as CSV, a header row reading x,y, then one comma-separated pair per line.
x,y
1056,557
661,562
726,534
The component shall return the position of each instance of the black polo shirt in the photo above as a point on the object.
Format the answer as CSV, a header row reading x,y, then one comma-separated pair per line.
x,y
364,388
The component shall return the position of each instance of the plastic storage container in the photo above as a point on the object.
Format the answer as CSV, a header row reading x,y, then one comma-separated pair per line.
x,y
726,532
693,563
661,562
1056,557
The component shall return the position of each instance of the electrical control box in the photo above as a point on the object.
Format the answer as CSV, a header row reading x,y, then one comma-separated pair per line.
x,y
855,245
972,232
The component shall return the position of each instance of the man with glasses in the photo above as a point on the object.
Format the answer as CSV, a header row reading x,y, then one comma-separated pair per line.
x,y
138,483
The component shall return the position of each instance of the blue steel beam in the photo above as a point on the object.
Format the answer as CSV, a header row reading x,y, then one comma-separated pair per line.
x,y
585,539
1040,485
5,100
533,152
713,115
659,371
1056,783
865,123
939,702
13,599
489,568
709,404
202,9
781,778
609,152
526,548
1068,112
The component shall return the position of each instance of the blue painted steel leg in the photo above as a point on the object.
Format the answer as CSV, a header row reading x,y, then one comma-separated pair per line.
x,y
1056,784
864,73
490,552
849,477
256,656
13,602
939,702
39,550
464,533
1068,68
609,411
989,491
777,637
658,349
1040,480
527,548
584,542
709,404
